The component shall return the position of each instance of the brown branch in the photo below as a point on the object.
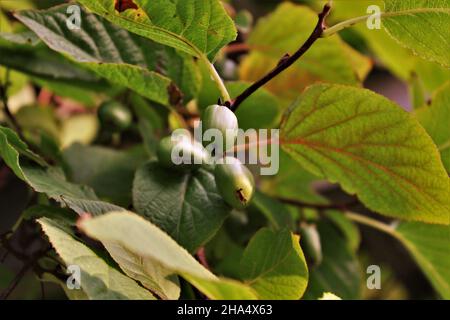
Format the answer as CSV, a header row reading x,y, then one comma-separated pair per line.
x,y
236,47
21,274
286,61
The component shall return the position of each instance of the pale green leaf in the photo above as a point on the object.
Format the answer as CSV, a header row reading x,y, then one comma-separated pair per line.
x,y
185,205
197,27
372,148
154,247
422,26
435,118
99,281
150,273
274,266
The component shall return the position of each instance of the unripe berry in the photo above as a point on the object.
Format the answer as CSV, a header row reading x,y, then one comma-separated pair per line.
x,y
181,152
224,120
234,182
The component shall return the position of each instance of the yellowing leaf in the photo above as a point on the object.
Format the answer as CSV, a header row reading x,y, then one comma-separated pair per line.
x,y
98,279
372,148
155,248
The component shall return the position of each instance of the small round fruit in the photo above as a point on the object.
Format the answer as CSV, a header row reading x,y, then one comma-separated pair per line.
x,y
310,243
234,182
224,120
114,115
181,152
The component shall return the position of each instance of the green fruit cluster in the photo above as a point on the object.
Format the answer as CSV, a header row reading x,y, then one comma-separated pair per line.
x,y
234,181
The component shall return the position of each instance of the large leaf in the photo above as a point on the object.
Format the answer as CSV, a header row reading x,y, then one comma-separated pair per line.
x,y
113,53
423,26
429,245
372,148
109,172
339,270
43,64
197,27
48,180
98,280
284,31
185,205
274,266
276,213
155,248
435,118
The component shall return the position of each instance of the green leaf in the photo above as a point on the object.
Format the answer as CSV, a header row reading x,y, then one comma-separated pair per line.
x,y
284,31
150,123
109,172
197,27
347,228
274,266
155,247
293,182
339,270
185,205
67,216
276,213
372,148
389,52
422,26
53,183
435,119
104,48
46,65
93,207
150,273
429,246
48,180
99,281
